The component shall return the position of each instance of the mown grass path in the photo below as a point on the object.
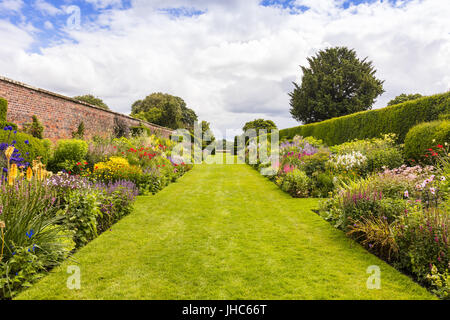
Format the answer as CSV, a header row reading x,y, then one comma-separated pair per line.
x,y
224,232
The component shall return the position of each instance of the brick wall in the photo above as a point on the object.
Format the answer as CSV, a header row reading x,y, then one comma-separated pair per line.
x,y
61,115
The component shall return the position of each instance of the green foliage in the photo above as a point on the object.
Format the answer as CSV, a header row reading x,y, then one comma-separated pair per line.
x,y
380,152
4,124
404,97
396,119
31,237
30,148
20,272
80,215
3,109
335,84
296,183
424,242
140,130
207,134
35,128
165,110
67,154
259,124
90,99
79,133
425,136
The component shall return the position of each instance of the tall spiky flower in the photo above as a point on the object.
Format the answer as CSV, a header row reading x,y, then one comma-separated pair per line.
x,y
29,174
8,152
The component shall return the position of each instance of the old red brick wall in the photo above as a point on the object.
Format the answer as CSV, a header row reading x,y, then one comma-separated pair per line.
x,y
61,115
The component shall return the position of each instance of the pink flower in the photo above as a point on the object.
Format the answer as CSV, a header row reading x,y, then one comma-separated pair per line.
x,y
406,194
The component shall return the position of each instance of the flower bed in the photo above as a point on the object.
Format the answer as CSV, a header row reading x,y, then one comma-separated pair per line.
x,y
398,212
45,216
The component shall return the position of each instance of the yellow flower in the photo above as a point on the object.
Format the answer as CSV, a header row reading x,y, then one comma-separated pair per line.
x,y
2,224
9,151
29,173
13,171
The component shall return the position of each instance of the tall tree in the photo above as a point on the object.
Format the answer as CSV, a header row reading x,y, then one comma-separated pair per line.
x,y
206,132
89,98
165,110
404,97
335,84
259,124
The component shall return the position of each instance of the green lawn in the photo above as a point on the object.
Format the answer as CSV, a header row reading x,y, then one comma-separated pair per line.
x,y
224,232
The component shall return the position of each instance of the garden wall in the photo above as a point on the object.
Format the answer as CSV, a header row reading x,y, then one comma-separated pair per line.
x,y
396,119
61,115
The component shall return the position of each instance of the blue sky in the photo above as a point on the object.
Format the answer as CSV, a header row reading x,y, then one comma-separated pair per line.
x,y
231,61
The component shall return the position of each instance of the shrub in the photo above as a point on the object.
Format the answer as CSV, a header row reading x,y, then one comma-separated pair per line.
x,y
376,234
3,109
323,184
31,234
35,128
29,147
67,154
396,119
115,169
140,130
350,162
422,237
6,124
79,133
425,136
380,152
115,202
296,183
80,215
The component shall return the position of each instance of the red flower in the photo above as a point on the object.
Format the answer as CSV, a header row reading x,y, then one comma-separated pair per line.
x,y
78,164
440,146
430,149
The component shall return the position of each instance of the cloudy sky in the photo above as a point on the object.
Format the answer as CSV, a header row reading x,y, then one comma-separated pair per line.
x,y
232,61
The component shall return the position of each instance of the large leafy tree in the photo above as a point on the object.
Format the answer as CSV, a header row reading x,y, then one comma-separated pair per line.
x,y
89,98
207,134
165,110
259,124
335,84
404,97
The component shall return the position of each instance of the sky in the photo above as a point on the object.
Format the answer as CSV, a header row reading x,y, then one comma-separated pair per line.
x,y
231,61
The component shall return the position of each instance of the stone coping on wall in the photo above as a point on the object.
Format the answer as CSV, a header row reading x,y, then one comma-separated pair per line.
x,y
18,83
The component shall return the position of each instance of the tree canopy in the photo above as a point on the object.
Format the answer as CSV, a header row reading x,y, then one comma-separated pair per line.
x,y
89,98
404,97
165,110
335,84
259,124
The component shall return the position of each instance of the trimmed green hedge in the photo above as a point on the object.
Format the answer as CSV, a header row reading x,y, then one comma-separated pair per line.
x,y
3,109
420,138
396,119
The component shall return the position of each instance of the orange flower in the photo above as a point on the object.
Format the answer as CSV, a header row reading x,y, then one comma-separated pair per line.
x,y
29,173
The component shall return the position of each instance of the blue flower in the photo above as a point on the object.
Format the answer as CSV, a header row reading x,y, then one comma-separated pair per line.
x,y
27,142
30,234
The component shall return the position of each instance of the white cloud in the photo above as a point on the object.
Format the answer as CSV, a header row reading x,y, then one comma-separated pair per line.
x,y
11,5
236,61
105,3
47,8
48,25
